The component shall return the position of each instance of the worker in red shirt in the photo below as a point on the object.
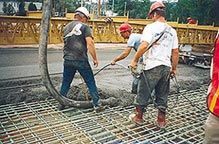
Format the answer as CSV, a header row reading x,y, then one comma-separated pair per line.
x,y
212,122
191,21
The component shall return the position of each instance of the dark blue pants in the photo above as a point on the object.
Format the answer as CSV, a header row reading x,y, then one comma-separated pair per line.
x,y
83,67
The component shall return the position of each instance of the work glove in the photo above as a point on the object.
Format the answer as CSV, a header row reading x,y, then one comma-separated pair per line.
x,y
172,74
136,71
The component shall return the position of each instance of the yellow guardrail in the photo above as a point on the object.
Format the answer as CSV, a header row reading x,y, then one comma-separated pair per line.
x,y
17,30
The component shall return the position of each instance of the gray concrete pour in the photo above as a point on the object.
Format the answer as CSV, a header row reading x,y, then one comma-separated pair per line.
x,y
29,114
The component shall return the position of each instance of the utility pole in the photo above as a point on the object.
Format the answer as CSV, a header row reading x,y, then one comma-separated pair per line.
x,y
98,8
54,8
113,6
125,9
81,3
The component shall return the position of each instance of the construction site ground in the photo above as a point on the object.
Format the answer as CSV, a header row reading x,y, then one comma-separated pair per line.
x,y
29,114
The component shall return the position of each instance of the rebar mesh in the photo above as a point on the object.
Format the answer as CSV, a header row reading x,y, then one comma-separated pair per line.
x,y
42,122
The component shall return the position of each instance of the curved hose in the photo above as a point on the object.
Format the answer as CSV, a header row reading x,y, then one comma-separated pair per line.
x,y
174,79
102,69
105,66
178,92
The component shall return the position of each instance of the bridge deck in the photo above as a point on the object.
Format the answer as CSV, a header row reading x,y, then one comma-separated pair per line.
x,y
42,122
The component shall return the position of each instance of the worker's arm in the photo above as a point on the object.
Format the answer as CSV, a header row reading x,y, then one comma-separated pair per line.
x,y
175,60
141,50
123,55
92,50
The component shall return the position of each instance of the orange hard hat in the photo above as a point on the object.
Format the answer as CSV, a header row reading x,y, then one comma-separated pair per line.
x,y
155,6
124,27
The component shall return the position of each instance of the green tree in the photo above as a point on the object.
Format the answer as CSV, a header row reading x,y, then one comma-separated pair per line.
x,y
135,8
32,7
139,9
8,9
71,5
11,10
5,8
205,11
213,15
21,9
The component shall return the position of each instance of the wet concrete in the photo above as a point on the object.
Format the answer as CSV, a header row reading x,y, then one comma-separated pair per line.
x,y
114,81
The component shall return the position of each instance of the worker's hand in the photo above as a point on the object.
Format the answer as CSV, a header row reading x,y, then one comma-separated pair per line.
x,y
133,64
113,62
172,74
95,63
135,69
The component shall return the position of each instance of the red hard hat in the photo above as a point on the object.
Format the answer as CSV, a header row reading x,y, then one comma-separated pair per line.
x,y
189,18
155,6
124,27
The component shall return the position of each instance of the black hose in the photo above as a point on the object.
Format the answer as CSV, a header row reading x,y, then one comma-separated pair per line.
x,y
152,97
102,69
178,91
105,66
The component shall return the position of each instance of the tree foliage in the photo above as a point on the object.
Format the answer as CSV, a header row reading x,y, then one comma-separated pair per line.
x,y
71,5
21,9
32,7
8,9
205,11
135,8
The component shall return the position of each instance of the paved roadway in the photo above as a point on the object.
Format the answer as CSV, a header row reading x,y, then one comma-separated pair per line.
x,y
22,62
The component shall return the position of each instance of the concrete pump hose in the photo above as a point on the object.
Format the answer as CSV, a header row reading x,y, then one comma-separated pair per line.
x,y
105,66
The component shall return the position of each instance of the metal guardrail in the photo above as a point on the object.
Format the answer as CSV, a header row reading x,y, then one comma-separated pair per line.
x,y
18,30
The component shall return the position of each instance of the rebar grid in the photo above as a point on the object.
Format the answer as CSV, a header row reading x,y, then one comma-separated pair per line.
x,y
42,122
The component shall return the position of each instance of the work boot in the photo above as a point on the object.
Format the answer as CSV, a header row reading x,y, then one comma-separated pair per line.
x,y
137,117
133,91
161,118
61,107
99,108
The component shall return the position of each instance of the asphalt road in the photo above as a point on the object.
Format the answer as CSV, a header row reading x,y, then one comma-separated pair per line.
x,y
22,62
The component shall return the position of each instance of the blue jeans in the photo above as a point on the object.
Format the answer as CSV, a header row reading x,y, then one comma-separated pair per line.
x,y
83,67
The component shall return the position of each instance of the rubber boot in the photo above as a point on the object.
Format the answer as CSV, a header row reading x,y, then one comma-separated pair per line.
x,y
60,106
137,117
161,118
99,108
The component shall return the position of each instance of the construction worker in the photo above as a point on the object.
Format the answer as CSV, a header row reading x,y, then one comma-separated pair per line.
x,y
133,42
159,47
77,41
191,21
212,122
